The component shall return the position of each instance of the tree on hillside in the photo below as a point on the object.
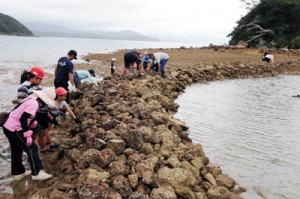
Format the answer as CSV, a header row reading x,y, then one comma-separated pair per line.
x,y
10,26
249,4
270,22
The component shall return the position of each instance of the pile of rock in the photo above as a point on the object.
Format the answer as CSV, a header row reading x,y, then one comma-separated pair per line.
x,y
130,146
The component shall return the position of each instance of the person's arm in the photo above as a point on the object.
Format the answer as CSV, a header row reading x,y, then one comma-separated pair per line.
x,y
158,66
55,70
22,93
23,120
71,78
71,112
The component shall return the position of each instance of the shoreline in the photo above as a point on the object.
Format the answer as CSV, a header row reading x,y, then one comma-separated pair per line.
x,y
129,136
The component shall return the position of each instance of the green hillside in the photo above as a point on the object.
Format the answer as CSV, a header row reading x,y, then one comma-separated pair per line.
x,y
273,23
10,26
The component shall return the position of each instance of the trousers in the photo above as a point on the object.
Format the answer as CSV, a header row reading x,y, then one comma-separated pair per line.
x,y
18,145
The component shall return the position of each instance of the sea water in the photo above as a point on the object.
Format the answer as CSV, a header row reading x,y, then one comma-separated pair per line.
x,y
251,129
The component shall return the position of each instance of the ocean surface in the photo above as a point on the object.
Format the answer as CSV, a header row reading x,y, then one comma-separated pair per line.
x,y
19,53
251,129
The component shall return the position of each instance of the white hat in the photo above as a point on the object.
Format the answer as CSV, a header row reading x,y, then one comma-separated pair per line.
x,y
145,53
113,59
47,95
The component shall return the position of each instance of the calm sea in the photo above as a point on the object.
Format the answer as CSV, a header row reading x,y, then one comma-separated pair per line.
x,y
18,53
250,128
45,51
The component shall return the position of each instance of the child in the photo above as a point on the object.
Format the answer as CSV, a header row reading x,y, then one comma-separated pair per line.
x,y
19,127
113,66
145,60
60,104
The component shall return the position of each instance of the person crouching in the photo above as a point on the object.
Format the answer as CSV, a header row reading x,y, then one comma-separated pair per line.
x,y
267,57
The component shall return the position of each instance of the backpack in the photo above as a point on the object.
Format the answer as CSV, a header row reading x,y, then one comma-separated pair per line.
x,y
3,118
4,115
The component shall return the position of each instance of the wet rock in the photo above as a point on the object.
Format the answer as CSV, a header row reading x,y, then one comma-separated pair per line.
x,y
92,190
89,156
197,162
121,185
117,168
225,181
133,139
194,170
146,148
129,151
173,162
111,194
94,175
117,145
148,177
135,159
133,180
105,157
99,143
163,192
185,192
218,192
138,195
210,178
177,176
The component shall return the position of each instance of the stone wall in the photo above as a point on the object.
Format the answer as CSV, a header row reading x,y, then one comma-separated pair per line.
x,y
130,146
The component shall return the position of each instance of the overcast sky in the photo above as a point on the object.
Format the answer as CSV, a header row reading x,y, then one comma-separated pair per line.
x,y
202,18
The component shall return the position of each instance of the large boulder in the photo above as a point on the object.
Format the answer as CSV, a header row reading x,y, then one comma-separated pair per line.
x,y
166,192
176,176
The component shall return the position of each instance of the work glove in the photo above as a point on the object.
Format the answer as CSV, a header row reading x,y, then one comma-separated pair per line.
x,y
77,121
55,122
38,129
28,137
73,89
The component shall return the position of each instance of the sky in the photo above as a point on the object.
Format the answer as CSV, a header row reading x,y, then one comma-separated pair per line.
x,y
159,18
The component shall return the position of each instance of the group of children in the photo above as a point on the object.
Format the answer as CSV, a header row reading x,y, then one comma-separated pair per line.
x,y
31,120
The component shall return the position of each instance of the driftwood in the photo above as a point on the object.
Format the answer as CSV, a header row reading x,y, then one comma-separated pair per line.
x,y
260,32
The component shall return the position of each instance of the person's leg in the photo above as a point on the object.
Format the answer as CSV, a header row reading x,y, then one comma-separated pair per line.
x,y
48,139
77,80
17,166
34,160
42,119
163,63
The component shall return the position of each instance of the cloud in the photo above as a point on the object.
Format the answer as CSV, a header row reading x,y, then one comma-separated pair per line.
x,y
178,17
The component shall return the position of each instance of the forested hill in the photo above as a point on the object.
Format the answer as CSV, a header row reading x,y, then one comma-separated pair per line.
x,y
273,23
10,26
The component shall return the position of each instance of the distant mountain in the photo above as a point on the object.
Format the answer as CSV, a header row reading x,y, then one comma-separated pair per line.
x,y
49,30
10,26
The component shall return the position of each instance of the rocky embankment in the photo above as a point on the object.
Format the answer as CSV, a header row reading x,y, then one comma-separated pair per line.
x,y
130,146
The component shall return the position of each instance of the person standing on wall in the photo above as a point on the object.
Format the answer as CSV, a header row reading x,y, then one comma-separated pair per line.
x,y
64,73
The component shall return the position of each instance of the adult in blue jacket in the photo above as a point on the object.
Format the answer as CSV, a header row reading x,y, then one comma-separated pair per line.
x,y
64,72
